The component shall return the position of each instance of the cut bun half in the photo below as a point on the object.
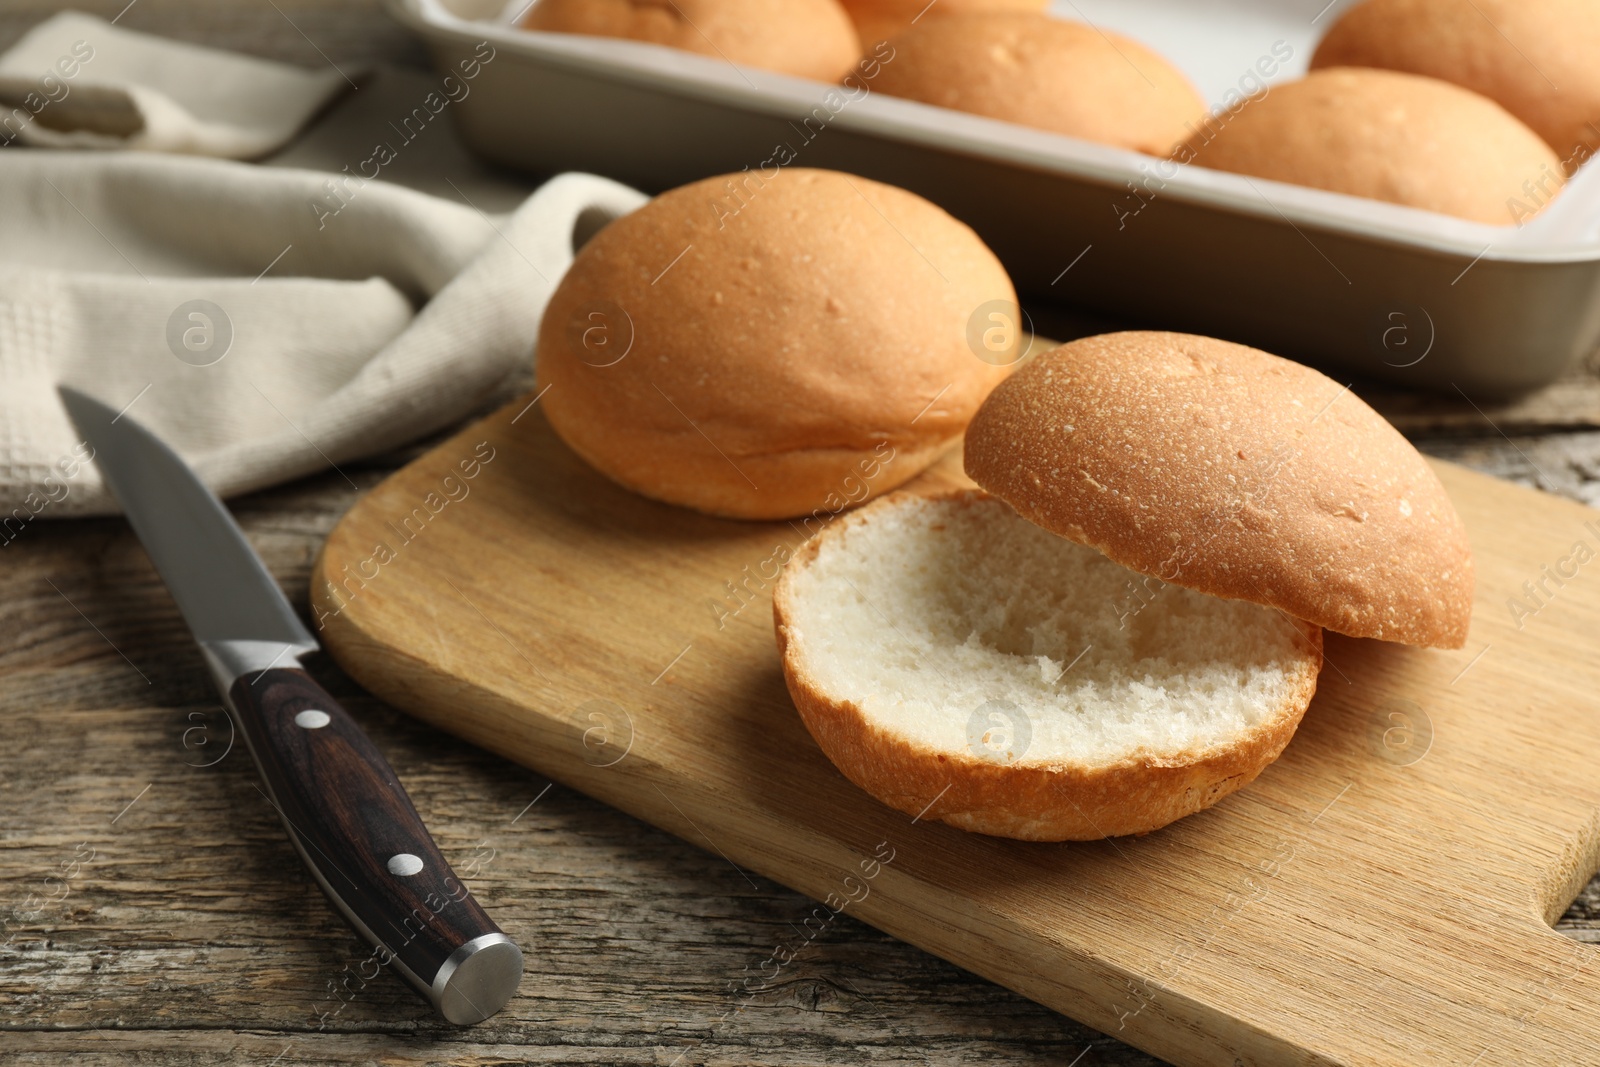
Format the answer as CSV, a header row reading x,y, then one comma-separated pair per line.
x,y
1231,471
962,664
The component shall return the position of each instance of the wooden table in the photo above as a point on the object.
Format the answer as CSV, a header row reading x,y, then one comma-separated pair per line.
x,y
166,919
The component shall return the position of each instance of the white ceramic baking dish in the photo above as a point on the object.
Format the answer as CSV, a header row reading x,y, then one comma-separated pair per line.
x,y
1360,287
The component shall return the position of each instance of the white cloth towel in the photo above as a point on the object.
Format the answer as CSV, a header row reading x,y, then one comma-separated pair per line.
x,y
268,322
76,81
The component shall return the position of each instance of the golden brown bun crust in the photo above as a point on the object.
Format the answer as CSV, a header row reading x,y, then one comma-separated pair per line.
x,y
877,20
803,351
1397,137
1048,73
1058,801
1235,473
1536,58
808,38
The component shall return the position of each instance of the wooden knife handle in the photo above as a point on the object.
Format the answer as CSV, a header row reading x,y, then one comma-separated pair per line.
x,y
358,833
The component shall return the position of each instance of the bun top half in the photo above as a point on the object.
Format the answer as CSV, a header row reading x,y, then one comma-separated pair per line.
x,y
1233,472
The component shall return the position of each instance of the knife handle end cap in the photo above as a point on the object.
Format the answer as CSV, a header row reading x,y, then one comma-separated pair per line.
x,y
478,979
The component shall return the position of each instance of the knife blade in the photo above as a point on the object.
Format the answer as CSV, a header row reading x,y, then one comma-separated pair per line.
x,y
340,802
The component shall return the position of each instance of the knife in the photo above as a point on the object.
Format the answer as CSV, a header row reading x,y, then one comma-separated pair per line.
x,y
343,807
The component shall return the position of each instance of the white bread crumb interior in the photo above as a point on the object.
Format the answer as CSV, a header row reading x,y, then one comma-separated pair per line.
x,y
920,611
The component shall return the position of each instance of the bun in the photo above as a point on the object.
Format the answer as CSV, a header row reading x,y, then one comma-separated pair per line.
x,y
877,20
1009,693
1229,471
1047,73
1387,136
766,347
808,38
1536,58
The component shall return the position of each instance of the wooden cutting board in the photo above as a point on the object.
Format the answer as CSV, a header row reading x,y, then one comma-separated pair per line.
x,y
1383,894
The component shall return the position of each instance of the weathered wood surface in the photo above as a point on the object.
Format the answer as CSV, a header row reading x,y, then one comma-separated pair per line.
x,y
192,936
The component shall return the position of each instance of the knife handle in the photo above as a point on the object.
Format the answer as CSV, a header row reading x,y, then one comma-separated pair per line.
x,y
360,836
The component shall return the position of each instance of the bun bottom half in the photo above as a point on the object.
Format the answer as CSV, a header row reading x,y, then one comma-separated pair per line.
x,y
962,665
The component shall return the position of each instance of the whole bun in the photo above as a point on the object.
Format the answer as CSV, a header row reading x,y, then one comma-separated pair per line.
x,y
768,347
1535,58
1388,136
808,38
1054,75
877,20
1229,471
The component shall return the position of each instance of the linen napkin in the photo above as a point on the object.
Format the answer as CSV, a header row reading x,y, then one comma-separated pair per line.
x,y
267,321
76,81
